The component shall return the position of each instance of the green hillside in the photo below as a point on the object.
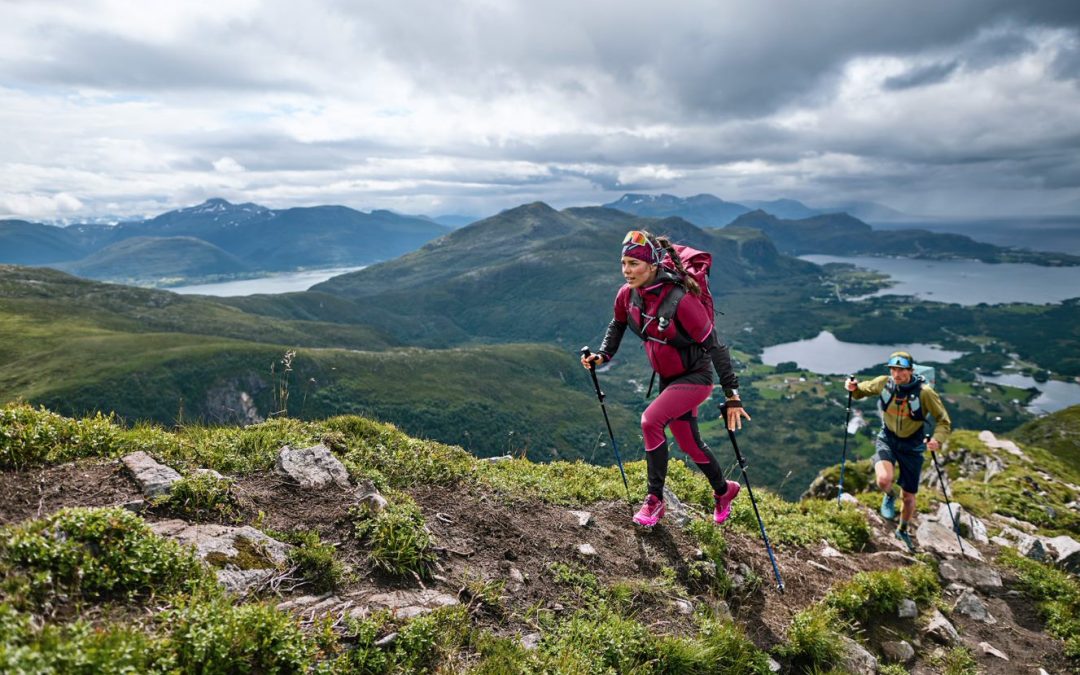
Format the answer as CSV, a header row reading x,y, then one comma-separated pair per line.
x,y
537,274
1058,432
79,346
157,261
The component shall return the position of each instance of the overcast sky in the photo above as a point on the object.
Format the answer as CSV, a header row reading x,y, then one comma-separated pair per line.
x,y
958,108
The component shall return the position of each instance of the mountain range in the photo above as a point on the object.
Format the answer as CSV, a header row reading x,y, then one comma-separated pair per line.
x,y
217,239
709,210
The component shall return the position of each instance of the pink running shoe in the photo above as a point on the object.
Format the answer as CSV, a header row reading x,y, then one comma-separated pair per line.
x,y
650,512
723,502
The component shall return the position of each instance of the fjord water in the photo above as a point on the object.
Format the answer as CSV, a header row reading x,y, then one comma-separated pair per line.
x,y
277,283
1053,395
968,282
827,355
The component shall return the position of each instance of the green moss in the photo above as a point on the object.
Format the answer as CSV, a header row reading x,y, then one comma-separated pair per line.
x,y
250,555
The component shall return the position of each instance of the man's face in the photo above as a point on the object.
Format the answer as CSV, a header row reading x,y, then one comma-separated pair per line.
x,y
900,375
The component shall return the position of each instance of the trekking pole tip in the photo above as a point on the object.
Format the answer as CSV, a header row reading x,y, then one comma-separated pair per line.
x,y
780,587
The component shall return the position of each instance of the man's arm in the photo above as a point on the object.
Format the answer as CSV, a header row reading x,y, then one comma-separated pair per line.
x,y
931,400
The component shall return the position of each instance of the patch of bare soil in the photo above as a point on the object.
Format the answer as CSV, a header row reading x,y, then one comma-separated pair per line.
x,y
35,493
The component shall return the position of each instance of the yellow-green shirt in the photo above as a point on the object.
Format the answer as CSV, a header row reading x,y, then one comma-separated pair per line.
x,y
897,416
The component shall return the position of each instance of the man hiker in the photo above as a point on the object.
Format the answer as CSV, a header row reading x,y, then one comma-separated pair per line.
x,y
906,401
671,311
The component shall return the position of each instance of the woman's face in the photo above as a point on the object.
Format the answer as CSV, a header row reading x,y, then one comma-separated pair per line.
x,y
637,272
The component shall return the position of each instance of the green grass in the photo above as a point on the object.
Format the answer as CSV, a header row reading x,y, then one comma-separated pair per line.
x,y
1057,594
398,542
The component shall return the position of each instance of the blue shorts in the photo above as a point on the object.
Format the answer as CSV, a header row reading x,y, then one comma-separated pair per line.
x,y
907,452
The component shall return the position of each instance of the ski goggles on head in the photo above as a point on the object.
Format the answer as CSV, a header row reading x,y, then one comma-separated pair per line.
x,y
637,244
900,360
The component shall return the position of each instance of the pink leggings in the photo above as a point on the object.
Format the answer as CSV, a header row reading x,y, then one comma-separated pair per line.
x,y
676,407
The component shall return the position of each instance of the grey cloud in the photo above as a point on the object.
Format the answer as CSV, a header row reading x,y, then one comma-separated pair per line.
x,y
921,76
1066,65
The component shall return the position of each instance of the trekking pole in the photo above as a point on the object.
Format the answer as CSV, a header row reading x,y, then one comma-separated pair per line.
x,y
945,490
746,479
843,457
600,395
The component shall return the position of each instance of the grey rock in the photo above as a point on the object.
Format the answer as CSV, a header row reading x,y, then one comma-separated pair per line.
x,y
387,640
241,581
722,610
684,607
154,479
496,460
774,665
587,550
830,552
313,468
848,498
674,509
302,602
970,572
530,641
855,659
740,579
135,505
407,604
1066,552
991,650
900,652
970,604
368,496
990,441
516,576
1033,548
1003,542
908,609
941,630
225,546
941,540
583,517
209,472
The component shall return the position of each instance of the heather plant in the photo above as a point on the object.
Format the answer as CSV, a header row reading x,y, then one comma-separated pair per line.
x,y
35,437
398,540
91,554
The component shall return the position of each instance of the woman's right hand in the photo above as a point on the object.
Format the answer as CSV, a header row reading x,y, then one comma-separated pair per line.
x,y
592,360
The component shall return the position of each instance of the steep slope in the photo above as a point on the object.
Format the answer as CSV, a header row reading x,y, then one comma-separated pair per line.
x,y
412,556
1059,433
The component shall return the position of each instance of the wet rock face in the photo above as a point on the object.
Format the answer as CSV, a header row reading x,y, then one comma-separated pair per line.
x,y
313,468
154,479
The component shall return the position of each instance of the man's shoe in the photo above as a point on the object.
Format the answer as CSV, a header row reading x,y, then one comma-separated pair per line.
x,y
905,536
888,507
650,512
723,502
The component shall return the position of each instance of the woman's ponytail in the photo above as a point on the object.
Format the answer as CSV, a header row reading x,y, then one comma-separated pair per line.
x,y
687,280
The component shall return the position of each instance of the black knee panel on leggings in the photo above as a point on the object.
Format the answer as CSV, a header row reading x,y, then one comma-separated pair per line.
x,y
713,472
657,461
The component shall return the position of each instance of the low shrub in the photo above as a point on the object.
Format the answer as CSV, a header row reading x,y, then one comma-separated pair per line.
x,y
813,640
398,541
35,437
315,561
201,496
870,594
88,553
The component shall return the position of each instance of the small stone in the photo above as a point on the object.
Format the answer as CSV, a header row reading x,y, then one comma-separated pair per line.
x,y
856,659
530,641
722,610
135,505
971,573
989,649
154,479
774,665
313,468
386,641
941,630
908,609
496,460
1066,551
1033,548
674,508
587,550
583,517
971,605
900,652
209,472
368,496
684,607
830,552
815,564
848,498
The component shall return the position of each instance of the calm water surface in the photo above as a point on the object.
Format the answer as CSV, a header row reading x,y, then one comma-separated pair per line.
x,y
968,282
278,283
1053,395
827,355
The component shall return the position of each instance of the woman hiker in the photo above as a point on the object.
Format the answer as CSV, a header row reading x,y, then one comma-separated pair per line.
x,y
682,349
905,401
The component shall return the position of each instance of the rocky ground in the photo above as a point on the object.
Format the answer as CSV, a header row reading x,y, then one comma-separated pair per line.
x,y
482,536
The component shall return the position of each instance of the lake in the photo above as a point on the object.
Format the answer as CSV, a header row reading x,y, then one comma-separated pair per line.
x,y
968,282
1053,394
278,283
827,355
